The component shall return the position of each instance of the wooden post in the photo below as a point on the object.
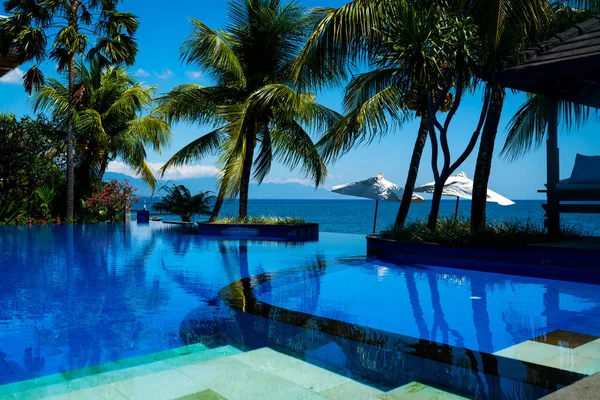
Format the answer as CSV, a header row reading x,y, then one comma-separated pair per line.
x,y
456,211
552,160
375,218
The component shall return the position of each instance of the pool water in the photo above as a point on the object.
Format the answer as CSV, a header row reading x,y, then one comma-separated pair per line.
x,y
483,311
86,295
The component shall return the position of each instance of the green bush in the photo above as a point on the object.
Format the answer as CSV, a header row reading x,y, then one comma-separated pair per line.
x,y
497,233
261,220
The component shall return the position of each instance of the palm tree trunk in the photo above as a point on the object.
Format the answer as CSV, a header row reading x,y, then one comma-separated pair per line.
x,y
219,203
413,171
246,172
103,167
70,160
436,201
484,158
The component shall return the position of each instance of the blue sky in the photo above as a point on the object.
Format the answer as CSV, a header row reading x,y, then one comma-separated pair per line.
x,y
164,28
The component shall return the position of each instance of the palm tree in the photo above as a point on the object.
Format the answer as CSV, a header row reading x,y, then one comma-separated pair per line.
x,y
257,113
71,24
107,120
396,37
178,200
507,27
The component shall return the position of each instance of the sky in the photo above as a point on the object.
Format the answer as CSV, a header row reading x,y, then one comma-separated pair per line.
x,y
162,29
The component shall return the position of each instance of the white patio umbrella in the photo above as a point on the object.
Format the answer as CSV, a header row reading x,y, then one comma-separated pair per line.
x,y
377,189
459,186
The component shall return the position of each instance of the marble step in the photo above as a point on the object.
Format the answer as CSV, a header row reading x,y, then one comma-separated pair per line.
x,y
223,373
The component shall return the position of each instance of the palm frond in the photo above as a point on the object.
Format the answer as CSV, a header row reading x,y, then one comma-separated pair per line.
x,y
196,150
528,127
211,51
293,147
365,123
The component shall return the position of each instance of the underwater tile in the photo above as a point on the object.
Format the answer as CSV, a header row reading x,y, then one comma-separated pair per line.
x,y
419,391
205,395
312,377
161,385
30,384
572,363
199,357
565,338
352,391
267,360
105,392
534,352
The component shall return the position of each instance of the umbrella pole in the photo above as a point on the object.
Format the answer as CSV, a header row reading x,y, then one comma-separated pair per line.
x,y
375,218
456,211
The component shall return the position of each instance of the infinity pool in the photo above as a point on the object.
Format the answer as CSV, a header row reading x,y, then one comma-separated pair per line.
x,y
81,296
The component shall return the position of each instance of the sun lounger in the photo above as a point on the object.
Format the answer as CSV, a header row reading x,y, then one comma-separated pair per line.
x,y
582,186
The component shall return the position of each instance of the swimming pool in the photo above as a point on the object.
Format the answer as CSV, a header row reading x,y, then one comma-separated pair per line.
x,y
86,295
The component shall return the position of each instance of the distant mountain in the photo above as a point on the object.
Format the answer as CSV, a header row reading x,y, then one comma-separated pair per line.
x,y
263,191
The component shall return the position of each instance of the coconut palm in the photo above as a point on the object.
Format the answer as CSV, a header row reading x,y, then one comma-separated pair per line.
x,y
358,31
507,27
108,121
256,111
404,41
77,28
178,200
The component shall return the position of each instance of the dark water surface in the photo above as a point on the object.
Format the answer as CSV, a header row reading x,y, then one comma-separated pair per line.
x,y
356,216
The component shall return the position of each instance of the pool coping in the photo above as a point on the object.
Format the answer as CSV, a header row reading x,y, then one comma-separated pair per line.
x,y
307,232
240,296
584,389
540,255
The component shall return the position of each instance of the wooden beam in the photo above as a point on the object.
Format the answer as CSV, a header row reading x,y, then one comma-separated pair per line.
x,y
576,208
552,172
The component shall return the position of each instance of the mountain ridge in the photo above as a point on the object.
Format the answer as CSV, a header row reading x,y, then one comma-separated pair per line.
x,y
266,191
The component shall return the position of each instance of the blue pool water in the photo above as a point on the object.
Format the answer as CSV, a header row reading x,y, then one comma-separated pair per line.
x,y
83,295
476,310
75,296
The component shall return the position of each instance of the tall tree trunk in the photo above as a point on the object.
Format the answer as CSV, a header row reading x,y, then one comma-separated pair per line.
x,y
218,203
247,171
484,158
70,159
413,171
436,201
103,167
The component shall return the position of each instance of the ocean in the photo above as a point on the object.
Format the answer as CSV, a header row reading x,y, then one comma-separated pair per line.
x,y
356,216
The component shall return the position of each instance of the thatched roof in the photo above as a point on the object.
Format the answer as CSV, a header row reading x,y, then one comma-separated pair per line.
x,y
8,63
567,66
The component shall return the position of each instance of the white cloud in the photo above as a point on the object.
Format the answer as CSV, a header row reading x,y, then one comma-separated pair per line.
x,y
14,77
195,75
141,73
280,180
164,74
174,173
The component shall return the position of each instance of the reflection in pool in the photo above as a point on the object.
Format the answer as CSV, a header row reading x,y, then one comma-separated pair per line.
x,y
77,296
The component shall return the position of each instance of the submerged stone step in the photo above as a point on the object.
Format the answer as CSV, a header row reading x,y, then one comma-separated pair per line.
x,y
105,374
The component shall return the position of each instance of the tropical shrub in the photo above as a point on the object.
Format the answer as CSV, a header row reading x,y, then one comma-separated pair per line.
x,y
45,196
458,232
178,200
110,198
262,220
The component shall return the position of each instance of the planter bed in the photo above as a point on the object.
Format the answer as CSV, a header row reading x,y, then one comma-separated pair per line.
x,y
298,233
545,260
